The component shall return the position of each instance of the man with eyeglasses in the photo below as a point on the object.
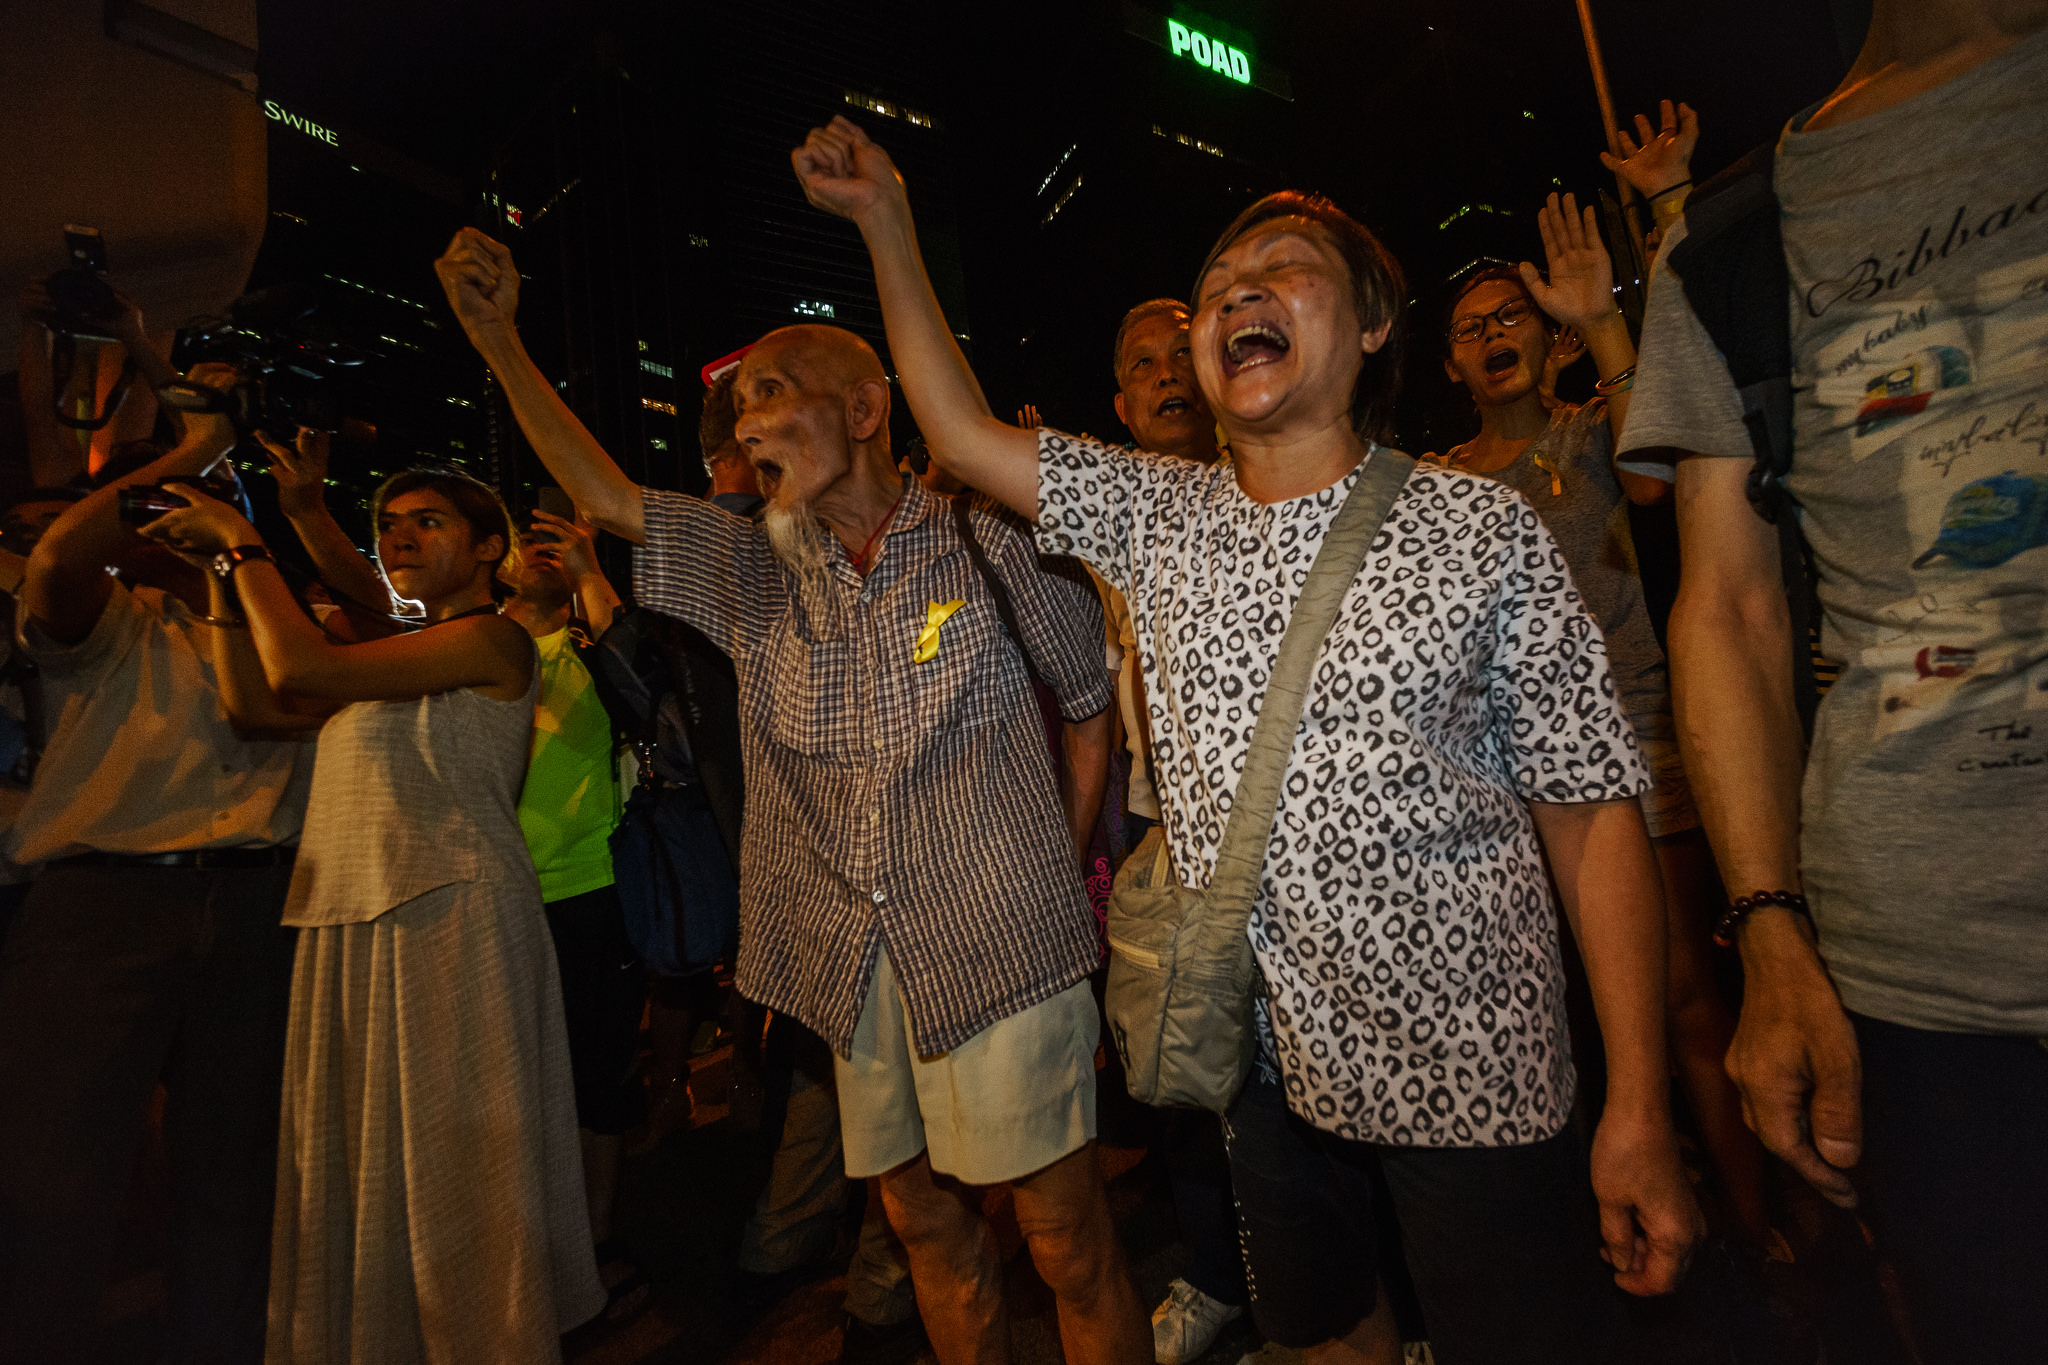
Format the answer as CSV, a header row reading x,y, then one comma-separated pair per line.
x,y
1503,322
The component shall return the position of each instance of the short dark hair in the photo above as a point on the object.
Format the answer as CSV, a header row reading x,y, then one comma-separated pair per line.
x,y
475,501
720,416
1379,294
1496,274
1149,308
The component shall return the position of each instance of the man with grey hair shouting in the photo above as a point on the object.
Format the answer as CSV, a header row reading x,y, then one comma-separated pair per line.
x,y
910,883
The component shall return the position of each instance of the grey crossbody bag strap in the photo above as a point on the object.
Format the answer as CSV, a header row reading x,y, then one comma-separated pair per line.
x,y
1241,857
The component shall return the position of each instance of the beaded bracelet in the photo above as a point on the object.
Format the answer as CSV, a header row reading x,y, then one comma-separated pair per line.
x,y
1741,909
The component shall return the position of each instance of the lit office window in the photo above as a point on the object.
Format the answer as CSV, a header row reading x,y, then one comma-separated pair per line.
x,y
872,103
1067,156
813,308
920,120
655,367
1060,202
657,443
656,405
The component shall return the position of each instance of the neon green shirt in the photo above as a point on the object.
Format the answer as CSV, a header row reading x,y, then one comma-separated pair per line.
x,y
570,803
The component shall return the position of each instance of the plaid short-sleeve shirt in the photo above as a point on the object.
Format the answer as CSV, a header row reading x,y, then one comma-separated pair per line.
x,y
892,801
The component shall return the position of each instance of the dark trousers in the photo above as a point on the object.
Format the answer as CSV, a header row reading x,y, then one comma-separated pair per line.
x,y
1502,1242
111,980
1198,1178
1956,1186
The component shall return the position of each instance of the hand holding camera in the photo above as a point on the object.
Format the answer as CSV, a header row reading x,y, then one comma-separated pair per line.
x,y
199,528
300,470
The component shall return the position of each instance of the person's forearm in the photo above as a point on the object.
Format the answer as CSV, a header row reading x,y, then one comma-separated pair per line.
x,y
340,565
1607,877
961,432
600,600
591,478
150,364
53,459
245,693
1613,352
1084,777
1738,729
288,645
90,536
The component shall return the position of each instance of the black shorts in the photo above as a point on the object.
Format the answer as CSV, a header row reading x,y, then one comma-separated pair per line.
x,y
1503,1243
604,991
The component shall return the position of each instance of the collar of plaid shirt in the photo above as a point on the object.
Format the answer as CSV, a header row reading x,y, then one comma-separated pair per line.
x,y
890,800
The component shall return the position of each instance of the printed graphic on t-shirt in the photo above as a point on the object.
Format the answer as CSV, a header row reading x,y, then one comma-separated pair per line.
x,y
1951,384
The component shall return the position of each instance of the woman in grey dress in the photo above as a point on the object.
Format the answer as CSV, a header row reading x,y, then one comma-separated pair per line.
x,y
430,1192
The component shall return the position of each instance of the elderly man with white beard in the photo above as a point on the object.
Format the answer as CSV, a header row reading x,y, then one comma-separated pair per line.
x,y
910,881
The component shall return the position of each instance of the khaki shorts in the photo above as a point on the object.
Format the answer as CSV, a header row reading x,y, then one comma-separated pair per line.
x,y
1013,1099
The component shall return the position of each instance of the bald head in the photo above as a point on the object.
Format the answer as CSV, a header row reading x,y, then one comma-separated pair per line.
x,y
828,358
813,403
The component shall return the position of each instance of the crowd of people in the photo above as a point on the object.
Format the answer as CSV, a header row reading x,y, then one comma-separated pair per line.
x,y
381,873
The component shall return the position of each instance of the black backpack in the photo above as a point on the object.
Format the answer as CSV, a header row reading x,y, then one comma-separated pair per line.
x,y
1732,264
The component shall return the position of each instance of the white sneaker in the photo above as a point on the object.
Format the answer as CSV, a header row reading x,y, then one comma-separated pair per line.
x,y
1187,1324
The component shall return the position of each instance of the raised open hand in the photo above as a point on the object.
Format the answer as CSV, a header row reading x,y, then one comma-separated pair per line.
x,y
844,172
1580,291
481,282
1028,418
1655,160
300,471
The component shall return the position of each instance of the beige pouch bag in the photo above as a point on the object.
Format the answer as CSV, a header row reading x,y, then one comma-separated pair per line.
x,y
1181,971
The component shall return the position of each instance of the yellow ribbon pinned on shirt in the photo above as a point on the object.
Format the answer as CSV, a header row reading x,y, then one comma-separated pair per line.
x,y
936,614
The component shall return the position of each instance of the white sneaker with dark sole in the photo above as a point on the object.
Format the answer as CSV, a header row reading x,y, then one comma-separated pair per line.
x,y
1188,1323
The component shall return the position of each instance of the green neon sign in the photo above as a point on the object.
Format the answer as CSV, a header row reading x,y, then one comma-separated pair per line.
x,y
1207,43
1213,53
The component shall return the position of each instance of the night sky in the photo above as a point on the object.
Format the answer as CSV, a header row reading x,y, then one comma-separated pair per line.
x,y
1405,111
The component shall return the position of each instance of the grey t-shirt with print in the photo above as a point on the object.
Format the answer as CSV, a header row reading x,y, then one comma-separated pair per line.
x,y
1917,240
1567,474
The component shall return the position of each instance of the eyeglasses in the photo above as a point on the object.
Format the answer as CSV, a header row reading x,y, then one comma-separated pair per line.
x,y
1513,313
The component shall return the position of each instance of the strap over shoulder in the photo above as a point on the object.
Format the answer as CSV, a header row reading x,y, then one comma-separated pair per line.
x,y
1241,857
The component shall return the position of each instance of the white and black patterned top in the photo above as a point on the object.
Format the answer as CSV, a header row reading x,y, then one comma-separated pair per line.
x,y
891,801
1404,923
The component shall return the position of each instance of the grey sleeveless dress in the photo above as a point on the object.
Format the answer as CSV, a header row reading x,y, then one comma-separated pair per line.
x,y
430,1201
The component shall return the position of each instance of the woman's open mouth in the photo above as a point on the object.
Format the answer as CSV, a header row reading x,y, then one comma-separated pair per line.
x,y
1250,346
1502,360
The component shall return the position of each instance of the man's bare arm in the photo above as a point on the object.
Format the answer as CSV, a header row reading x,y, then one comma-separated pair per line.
x,y
1794,1057
1084,776
843,172
301,473
482,285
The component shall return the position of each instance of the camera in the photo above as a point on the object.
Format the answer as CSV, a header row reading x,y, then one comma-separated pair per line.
x,y
82,303
141,503
289,363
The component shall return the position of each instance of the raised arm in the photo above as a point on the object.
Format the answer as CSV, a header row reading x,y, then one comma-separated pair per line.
x,y
301,473
1580,294
55,457
482,286
488,653
575,549
67,584
843,172
1795,1058
246,694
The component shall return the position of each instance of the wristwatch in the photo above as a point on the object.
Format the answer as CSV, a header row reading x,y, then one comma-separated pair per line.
x,y
227,561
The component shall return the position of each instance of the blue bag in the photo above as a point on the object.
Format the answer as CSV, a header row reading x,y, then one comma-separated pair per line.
x,y
675,880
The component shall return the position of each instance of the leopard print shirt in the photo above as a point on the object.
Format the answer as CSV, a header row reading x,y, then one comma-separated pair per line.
x,y
1404,924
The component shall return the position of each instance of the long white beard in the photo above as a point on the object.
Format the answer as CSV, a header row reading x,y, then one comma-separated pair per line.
x,y
801,543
